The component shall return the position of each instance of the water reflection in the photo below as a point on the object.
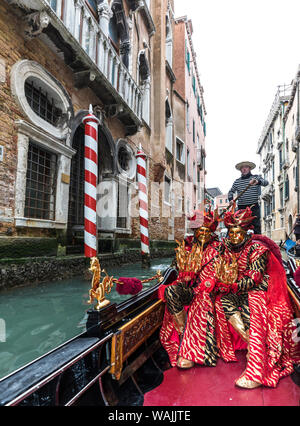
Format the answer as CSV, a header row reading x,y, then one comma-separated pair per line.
x,y
41,317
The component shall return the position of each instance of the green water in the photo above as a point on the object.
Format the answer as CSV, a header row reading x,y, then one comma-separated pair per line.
x,y
36,319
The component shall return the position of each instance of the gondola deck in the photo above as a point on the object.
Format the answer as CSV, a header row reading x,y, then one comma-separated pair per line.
x,y
214,386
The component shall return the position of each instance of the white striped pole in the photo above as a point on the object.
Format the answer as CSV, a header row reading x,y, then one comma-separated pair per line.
x,y
143,203
90,183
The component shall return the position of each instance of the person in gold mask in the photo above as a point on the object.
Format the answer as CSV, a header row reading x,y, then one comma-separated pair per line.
x,y
252,304
187,332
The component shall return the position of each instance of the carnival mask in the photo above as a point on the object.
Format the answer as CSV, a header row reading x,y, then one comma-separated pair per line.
x,y
203,234
236,235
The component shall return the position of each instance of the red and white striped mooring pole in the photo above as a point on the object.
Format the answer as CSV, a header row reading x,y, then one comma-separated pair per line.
x,y
90,183
143,203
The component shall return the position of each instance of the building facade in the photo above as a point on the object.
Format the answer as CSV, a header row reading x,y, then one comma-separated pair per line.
x,y
58,58
191,149
278,164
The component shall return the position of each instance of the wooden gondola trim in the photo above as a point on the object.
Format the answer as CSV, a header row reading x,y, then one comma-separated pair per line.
x,y
133,334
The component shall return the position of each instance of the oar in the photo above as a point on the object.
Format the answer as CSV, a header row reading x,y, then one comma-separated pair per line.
x,y
237,198
281,244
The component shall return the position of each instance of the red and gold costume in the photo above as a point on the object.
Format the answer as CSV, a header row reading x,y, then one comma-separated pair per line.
x,y
256,306
195,341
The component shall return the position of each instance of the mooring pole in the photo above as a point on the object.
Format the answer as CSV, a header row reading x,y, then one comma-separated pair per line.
x,y
91,123
143,203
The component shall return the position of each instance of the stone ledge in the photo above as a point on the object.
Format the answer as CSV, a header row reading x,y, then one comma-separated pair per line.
x,y
24,271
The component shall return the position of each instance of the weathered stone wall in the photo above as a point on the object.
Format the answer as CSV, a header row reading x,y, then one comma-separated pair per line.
x,y
27,241
15,273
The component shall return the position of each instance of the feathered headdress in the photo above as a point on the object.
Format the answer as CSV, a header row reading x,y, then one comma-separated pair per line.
x,y
242,218
208,219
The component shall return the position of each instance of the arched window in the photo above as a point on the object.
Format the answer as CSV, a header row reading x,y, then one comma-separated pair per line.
x,y
106,168
144,80
42,98
114,33
119,30
44,152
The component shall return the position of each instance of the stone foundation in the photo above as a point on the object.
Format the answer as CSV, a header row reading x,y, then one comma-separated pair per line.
x,y
34,270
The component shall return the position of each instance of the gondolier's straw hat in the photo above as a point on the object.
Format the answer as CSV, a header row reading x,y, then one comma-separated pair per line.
x,y
245,164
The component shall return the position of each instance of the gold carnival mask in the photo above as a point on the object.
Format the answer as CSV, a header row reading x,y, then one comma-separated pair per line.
x,y
203,234
236,235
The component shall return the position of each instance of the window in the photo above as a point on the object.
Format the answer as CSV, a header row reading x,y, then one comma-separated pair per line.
x,y
126,161
194,131
179,150
113,32
169,127
188,116
188,161
42,98
280,160
287,188
281,196
144,80
92,4
53,4
41,102
40,183
187,56
194,84
1,152
123,204
169,41
167,189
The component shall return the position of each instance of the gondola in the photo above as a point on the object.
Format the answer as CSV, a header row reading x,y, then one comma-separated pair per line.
x,y
119,361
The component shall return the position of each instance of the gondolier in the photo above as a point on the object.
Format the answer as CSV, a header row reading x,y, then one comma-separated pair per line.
x,y
249,197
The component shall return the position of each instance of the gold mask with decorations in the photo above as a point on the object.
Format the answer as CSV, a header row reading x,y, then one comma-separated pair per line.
x,y
236,235
203,234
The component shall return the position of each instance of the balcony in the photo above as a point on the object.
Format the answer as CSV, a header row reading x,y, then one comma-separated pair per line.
x,y
75,35
267,192
201,154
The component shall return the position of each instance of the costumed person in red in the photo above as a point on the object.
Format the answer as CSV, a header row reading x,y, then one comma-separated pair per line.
x,y
252,300
187,332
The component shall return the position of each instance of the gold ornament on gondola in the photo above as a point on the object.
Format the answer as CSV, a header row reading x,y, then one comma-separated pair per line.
x,y
102,286
99,288
227,270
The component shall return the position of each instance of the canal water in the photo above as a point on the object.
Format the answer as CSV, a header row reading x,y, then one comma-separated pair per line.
x,y
36,319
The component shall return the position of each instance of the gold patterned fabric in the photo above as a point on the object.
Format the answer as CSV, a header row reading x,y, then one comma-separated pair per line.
x,y
238,303
177,296
235,304
198,342
261,299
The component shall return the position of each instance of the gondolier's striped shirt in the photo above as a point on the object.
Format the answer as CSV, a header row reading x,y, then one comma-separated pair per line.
x,y
251,196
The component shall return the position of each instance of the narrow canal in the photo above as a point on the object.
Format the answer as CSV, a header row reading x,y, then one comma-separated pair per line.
x,y
36,319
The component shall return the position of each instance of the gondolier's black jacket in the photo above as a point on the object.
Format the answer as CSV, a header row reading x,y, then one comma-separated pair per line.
x,y
251,196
